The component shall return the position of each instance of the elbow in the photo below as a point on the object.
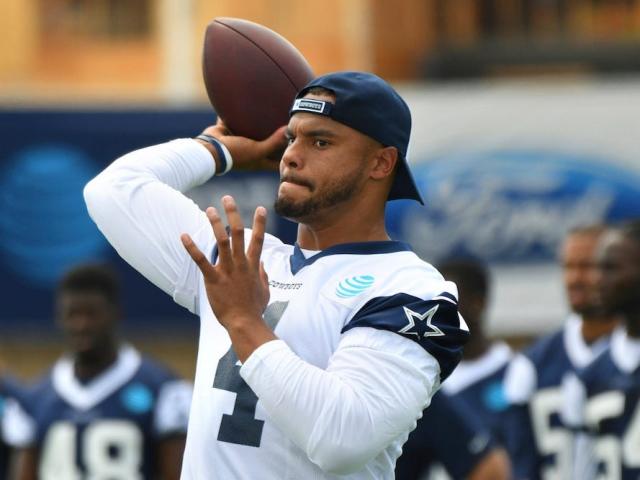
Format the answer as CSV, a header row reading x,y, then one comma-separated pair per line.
x,y
339,459
348,449
95,193
91,192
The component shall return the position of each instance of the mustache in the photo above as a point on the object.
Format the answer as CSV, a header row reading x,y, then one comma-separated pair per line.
x,y
296,180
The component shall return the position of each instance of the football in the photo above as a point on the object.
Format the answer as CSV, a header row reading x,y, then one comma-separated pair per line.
x,y
251,75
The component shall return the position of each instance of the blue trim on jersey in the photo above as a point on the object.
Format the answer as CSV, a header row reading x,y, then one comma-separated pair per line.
x,y
298,260
433,324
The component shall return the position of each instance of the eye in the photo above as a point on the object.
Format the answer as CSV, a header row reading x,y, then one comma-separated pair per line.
x,y
290,139
320,143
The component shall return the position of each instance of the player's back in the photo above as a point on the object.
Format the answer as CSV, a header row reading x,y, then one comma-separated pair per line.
x,y
448,442
479,384
106,428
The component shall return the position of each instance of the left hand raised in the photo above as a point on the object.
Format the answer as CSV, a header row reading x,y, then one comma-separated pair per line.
x,y
237,285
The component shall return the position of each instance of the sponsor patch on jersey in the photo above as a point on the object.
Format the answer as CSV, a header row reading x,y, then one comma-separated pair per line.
x,y
137,398
354,286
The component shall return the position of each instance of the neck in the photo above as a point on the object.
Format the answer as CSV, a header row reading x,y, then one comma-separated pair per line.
x,y
632,322
594,328
476,347
88,366
343,224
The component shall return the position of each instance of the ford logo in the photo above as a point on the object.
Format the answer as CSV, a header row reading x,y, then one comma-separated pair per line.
x,y
511,206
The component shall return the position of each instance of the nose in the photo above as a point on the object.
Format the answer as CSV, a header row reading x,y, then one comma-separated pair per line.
x,y
292,156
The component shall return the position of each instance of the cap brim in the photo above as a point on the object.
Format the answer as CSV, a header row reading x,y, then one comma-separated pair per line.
x,y
404,186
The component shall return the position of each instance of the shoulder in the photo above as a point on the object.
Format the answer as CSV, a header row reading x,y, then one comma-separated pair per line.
x,y
549,345
407,297
154,372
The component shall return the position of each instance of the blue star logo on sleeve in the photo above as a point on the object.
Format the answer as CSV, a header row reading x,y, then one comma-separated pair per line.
x,y
420,325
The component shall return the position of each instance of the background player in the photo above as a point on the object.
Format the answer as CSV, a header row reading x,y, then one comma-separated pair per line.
x,y
103,411
323,367
539,444
449,442
466,412
12,395
478,380
605,401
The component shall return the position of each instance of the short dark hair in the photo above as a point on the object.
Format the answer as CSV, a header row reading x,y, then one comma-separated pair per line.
x,y
320,91
471,271
92,277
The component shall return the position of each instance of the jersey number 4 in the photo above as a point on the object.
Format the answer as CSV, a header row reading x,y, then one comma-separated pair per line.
x,y
242,426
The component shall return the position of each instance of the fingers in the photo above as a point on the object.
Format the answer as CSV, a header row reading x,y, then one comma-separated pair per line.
x,y
275,143
236,228
263,276
197,256
220,233
257,236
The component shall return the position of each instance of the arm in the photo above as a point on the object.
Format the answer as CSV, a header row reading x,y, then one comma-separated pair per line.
x,y
493,466
347,414
138,204
169,453
171,418
24,464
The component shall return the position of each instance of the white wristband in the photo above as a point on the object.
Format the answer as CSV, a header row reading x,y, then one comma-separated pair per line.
x,y
228,156
223,152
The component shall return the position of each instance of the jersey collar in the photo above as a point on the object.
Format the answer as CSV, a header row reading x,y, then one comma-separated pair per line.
x,y
625,350
298,260
579,352
84,397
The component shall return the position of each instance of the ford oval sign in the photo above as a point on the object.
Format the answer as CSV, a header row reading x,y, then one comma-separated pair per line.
x,y
511,206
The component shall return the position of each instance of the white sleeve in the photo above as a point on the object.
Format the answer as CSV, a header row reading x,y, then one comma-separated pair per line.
x,y
373,390
172,408
520,380
138,205
18,428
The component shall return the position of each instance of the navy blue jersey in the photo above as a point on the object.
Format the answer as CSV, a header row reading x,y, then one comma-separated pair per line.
x,y
610,410
448,434
539,443
479,385
108,427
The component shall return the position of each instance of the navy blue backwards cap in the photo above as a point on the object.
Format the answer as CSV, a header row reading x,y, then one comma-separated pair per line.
x,y
368,104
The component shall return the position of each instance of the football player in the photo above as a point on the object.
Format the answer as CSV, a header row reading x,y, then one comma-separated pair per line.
x,y
603,401
478,380
539,442
315,359
451,442
12,395
104,410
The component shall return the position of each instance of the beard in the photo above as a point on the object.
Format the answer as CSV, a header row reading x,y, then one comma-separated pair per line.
x,y
338,191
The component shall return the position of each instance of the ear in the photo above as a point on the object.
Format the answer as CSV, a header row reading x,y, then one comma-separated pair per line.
x,y
384,165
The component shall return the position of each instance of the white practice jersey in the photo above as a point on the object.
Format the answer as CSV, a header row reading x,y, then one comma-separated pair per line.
x,y
366,333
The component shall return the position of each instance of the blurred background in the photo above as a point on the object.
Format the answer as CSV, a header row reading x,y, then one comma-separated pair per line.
x,y
526,124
